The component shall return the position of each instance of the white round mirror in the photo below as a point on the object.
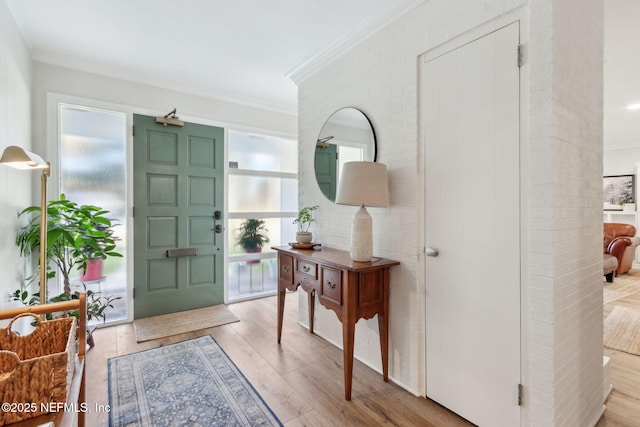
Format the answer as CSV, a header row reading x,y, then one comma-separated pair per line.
x,y
346,136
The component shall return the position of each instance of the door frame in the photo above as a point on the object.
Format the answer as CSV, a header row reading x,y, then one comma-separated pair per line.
x,y
520,15
52,153
53,99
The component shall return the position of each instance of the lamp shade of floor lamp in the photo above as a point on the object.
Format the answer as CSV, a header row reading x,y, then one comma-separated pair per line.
x,y
19,158
363,184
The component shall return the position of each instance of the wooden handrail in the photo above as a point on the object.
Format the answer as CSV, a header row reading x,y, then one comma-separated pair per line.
x,y
80,304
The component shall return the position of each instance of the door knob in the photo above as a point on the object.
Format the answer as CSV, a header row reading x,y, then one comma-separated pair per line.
x,y
218,228
432,251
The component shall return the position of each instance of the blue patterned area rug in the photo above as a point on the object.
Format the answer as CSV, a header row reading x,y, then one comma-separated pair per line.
x,y
190,383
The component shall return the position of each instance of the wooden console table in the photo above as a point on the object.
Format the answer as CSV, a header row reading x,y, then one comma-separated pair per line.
x,y
353,290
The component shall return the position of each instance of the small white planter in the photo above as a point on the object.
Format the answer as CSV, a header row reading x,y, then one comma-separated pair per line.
x,y
304,237
629,207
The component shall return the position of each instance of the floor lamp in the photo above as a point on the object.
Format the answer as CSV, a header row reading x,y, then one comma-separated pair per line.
x,y
363,184
19,158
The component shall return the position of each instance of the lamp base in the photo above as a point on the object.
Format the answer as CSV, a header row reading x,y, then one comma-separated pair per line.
x,y
361,236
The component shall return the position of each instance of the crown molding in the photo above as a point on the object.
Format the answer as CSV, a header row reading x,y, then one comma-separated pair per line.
x,y
363,30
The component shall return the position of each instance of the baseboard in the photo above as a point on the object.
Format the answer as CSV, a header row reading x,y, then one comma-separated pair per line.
x,y
595,419
606,377
393,379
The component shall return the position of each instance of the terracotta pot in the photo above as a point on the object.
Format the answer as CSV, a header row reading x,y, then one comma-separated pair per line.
x,y
253,251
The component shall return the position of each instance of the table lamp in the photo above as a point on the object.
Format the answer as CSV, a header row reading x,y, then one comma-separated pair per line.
x,y
19,158
363,184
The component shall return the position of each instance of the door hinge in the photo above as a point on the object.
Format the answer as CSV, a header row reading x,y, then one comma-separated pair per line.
x,y
133,295
520,396
133,130
520,55
133,211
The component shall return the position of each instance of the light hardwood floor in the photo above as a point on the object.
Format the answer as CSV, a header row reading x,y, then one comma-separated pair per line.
x,y
623,404
302,380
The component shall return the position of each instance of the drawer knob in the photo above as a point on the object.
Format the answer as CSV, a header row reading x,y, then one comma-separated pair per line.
x,y
306,268
332,285
285,268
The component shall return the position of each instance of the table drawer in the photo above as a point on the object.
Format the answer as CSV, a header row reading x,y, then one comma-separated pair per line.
x,y
308,268
331,288
285,266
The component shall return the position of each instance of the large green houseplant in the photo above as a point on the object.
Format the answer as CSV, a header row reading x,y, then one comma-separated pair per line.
x,y
76,234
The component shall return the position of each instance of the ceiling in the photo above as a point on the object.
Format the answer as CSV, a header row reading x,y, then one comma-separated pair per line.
x,y
236,50
248,51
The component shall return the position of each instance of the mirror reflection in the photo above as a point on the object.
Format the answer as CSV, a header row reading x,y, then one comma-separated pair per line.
x,y
346,136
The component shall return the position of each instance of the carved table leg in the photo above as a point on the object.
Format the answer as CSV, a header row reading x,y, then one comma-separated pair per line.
x,y
312,308
281,295
383,326
348,330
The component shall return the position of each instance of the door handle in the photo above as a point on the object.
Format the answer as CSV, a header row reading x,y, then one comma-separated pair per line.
x,y
432,251
217,216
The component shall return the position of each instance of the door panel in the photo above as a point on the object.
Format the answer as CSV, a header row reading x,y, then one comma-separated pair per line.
x,y
178,187
470,120
326,170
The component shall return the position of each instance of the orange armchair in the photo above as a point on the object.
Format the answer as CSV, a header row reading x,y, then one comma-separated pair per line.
x,y
620,241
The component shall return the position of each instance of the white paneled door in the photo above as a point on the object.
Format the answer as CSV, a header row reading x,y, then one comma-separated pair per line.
x,y
471,128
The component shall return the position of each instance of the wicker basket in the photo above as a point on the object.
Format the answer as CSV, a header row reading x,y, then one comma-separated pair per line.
x,y
37,368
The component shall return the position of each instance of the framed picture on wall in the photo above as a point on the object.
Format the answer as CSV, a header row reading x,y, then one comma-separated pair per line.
x,y
618,190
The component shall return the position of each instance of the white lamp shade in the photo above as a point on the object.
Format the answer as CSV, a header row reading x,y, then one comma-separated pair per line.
x,y
19,158
363,184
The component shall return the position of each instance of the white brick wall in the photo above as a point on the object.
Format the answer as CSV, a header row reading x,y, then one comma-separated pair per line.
x,y
565,331
562,305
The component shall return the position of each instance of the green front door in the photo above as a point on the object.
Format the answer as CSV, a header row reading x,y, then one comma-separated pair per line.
x,y
178,202
326,160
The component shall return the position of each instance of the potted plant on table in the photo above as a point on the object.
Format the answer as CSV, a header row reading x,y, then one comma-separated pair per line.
x,y
304,220
252,235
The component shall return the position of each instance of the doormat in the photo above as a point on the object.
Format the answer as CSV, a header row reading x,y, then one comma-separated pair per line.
x,y
165,325
622,329
189,383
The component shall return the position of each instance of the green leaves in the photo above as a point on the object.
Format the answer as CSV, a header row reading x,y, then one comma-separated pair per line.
x,y
75,234
252,234
305,217
96,304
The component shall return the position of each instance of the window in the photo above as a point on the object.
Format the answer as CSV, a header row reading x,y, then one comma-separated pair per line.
x,y
92,172
263,186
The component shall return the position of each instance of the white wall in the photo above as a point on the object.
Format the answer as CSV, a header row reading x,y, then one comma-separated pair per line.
x,y
621,161
15,129
50,78
562,158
